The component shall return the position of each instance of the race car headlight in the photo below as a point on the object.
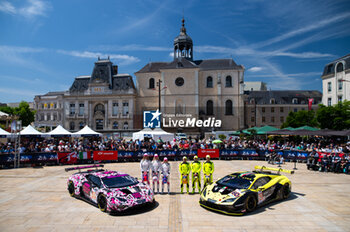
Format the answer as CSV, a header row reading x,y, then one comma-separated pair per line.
x,y
205,192
229,200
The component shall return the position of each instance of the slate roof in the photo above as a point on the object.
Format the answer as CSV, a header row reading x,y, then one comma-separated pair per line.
x,y
103,72
180,63
120,82
284,96
330,67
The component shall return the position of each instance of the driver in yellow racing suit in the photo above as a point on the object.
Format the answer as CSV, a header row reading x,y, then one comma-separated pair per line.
x,y
185,170
208,169
196,168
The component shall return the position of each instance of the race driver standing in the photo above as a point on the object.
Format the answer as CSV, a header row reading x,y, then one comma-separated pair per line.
x,y
156,168
165,168
196,168
145,166
185,170
208,169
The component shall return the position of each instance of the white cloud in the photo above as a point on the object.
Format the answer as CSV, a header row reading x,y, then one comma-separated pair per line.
x,y
303,30
255,69
7,7
31,9
123,59
171,54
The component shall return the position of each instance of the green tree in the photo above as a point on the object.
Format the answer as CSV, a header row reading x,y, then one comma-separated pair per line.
x,y
335,117
300,118
23,111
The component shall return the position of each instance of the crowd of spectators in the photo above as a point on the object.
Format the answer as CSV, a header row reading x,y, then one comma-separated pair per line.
x,y
325,156
58,145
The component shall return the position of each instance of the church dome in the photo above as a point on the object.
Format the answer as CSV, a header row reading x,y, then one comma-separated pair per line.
x,y
183,45
183,37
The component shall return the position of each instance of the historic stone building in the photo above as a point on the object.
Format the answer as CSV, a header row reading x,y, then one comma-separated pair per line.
x,y
105,101
336,81
272,107
201,88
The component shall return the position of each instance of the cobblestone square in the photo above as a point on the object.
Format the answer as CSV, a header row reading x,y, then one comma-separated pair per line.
x,y
37,200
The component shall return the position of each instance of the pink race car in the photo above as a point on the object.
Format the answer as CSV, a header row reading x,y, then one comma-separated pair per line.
x,y
111,191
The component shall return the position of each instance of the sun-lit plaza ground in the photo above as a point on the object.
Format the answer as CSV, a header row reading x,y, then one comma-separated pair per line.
x,y
37,200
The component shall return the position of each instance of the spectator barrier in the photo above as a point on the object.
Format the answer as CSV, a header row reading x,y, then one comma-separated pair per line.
x,y
90,156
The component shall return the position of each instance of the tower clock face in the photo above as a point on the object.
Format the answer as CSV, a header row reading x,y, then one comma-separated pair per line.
x,y
179,81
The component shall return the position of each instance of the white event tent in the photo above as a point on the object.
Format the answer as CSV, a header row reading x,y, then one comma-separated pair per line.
x,y
165,136
154,134
86,132
30,131
59,131
140,135
4,134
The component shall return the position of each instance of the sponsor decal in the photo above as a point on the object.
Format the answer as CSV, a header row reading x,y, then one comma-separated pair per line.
x,y
105,155
214,153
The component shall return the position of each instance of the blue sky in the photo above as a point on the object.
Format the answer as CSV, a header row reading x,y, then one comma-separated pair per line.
x,y
45,44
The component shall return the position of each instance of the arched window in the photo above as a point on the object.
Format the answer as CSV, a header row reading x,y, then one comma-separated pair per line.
x,y
81,125
340,67
228,107
272,101
295,100
209,82
228,81
115,125
72,126
99,108
126,126
151,83
210,107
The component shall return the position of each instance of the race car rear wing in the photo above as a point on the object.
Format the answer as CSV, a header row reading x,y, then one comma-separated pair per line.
x,y
262,168
84,167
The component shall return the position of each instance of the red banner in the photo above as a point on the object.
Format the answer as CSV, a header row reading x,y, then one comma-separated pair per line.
x,y
214,153
105,155
67,157
311,100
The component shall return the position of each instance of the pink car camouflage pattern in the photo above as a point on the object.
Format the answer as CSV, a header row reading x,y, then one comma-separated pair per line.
x,y
118,199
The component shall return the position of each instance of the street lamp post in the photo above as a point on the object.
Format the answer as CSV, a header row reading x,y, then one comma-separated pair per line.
x,y
159,82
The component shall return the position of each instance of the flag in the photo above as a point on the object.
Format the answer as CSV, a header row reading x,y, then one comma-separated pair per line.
x,y
310,103
84,155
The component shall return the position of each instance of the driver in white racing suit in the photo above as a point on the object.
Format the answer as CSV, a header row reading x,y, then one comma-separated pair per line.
x,y
156,169
145,166
165,168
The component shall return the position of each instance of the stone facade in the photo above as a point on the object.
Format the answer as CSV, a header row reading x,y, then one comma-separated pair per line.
x,y
200,88
336,81
272,107
104,101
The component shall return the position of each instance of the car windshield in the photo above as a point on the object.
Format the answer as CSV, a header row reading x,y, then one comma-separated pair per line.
x,y
119,181
236,181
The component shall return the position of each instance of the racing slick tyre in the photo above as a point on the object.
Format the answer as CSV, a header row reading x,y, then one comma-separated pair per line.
x,y
71,189
250,203
285,191
102,203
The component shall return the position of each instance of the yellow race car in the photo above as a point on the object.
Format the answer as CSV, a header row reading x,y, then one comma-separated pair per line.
x,y
243,192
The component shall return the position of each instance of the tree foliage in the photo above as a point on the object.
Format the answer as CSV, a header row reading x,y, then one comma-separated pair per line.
x,y
335,117
26,115
300,118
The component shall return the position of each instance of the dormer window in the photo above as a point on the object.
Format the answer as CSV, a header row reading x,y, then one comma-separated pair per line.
x,y
295,100
272,101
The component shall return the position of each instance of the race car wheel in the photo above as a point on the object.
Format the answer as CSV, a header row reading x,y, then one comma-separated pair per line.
x,y
250,203
285,191
71,189
102,203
